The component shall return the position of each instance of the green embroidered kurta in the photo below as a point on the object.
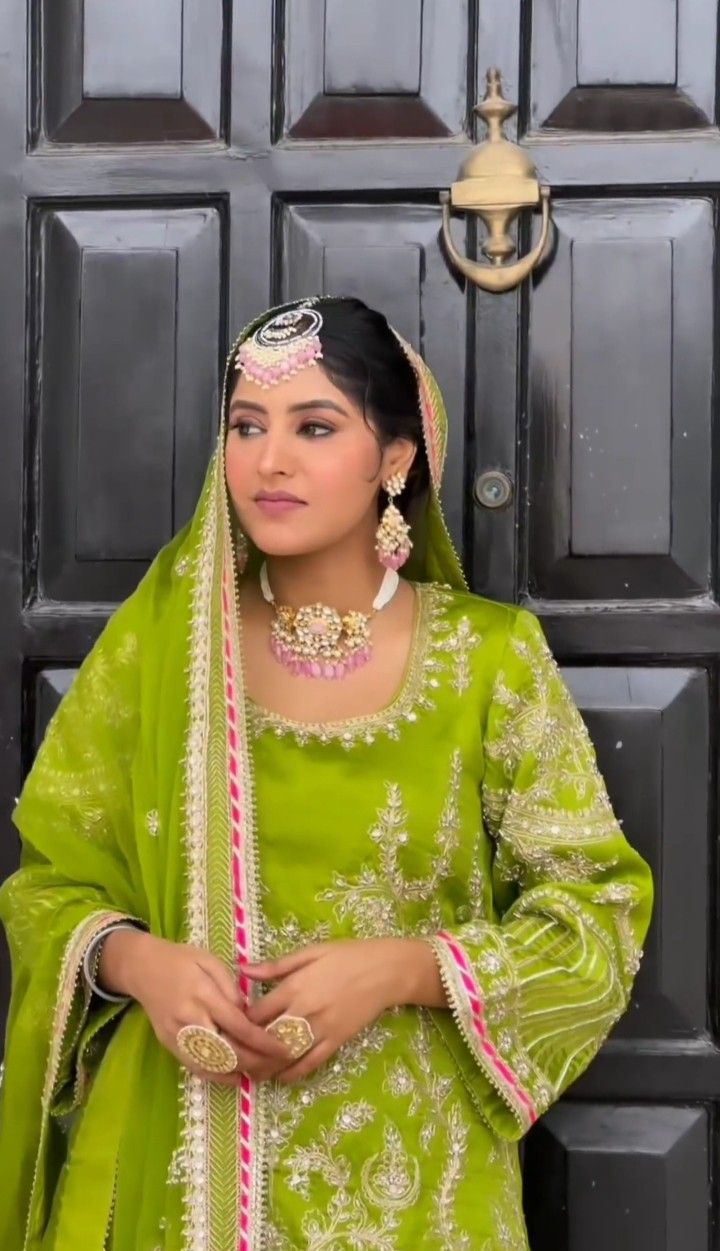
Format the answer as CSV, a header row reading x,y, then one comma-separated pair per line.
x,y
470,812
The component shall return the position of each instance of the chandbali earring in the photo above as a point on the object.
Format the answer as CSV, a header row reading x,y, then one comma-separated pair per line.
x,y
392,539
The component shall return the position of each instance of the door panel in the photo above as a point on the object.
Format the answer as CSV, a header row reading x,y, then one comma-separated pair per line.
x,y
342,82
123,71
620,429
622,1177
648,65
118,440
650,727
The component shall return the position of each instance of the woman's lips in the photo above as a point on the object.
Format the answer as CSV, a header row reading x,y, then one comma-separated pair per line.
x,y
274,508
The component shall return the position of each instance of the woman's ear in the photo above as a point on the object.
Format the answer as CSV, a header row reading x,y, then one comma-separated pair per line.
x,y
398,458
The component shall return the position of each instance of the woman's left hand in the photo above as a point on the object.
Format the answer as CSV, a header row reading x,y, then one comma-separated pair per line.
x,y
339,988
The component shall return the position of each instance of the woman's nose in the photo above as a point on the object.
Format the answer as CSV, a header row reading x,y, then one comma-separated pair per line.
x,y
275,455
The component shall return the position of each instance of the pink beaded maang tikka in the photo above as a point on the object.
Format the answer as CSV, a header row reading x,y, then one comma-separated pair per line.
x,y
281,347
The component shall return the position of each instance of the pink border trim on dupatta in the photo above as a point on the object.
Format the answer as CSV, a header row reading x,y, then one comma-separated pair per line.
x,y
240,895
435,440
504,1075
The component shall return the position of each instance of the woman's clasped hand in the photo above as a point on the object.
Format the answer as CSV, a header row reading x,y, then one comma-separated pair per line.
x,y
180,984
339,988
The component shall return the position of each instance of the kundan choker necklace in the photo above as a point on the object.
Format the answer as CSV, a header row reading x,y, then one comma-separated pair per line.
x,y
315,641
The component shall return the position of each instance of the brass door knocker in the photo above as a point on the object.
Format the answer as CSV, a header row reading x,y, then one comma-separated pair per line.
x,y
496,181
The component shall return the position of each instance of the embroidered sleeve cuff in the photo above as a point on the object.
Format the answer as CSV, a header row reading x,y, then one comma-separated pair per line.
x,y
74,1025
466,1002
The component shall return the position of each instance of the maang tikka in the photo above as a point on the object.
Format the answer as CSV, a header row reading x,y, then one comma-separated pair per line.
x,y
392,538
281,347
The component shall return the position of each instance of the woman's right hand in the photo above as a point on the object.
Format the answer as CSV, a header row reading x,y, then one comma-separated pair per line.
x,y
178,984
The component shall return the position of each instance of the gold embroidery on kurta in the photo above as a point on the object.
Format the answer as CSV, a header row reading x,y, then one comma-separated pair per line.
x,y
509,1233
391,1179
349,1216
551,801
543,723
152,822
374,900
625,896
460,645
428,1095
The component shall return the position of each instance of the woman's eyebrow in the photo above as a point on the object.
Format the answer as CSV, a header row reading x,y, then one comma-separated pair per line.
x,y
307,404
256,408
304,407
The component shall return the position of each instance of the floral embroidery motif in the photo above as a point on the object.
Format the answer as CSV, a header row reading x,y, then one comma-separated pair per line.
x,y
348,1217
287,1105
625,895
374,899
428,1093
392,1178
177,1168
417,693
182,565
539,835
290,934
460,645
152,822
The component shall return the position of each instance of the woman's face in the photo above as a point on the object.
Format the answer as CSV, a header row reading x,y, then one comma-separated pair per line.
x,y
304,439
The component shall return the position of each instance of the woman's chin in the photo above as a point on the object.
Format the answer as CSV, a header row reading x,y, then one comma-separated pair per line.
x,y
278,545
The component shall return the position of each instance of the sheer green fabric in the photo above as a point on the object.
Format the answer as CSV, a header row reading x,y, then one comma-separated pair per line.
x,y
469,812
110,757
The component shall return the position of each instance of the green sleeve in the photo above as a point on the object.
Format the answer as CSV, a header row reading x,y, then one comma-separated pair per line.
x,y
533,995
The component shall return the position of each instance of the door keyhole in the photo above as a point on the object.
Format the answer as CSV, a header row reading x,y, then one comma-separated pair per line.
x,y
493,489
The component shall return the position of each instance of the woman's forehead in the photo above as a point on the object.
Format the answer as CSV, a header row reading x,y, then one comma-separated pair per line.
x,y
310,383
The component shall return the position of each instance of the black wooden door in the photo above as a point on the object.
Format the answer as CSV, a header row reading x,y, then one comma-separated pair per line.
x,y
166,171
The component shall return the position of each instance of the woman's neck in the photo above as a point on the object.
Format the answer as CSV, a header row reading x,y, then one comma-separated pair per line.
x,y
345,580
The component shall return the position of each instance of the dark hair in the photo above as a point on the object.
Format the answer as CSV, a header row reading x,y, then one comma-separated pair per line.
x,y
364,360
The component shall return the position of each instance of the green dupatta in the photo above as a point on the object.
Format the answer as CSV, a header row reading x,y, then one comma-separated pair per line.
x,y
150,736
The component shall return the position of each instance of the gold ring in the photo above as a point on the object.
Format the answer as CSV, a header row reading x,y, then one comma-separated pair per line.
x,y
205,1047
294,1032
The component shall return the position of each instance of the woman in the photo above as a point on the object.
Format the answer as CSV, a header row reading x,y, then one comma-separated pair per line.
x,y
378,911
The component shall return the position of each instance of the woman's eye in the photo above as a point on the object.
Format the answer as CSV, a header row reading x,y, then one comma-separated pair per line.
x,y
317,429
246,428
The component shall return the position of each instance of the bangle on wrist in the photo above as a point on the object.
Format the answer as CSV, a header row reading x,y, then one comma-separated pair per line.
x,y
91,961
